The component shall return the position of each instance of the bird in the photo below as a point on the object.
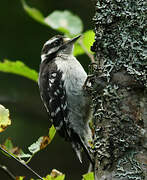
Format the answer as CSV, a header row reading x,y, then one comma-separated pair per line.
x,y
61,81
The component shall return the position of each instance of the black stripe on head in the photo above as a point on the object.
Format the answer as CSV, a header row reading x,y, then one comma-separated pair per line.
x,y
52,45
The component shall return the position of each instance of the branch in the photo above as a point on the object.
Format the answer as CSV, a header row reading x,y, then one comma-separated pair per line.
x,y
22,163
7,171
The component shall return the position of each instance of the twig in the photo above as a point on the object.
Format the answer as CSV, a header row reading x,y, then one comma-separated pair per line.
x,y
86,51
25,165
7,171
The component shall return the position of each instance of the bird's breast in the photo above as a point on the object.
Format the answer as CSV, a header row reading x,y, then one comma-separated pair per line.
x,y
73,74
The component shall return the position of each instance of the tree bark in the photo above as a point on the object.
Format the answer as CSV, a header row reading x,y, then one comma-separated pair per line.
x,y
119,90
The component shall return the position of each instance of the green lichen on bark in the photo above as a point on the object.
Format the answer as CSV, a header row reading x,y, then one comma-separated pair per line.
x,y
119,83
121,29
116,131
134,171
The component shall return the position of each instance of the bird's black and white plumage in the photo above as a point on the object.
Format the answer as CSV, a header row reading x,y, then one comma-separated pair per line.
x,y
61,80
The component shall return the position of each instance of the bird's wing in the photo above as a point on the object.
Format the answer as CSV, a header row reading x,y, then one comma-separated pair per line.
x,y
53,95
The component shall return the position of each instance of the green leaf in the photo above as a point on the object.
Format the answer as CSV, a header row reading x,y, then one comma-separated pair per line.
x,y
85,43
88,176
35,147
11,149
4,118
18,68
14,150
52,132
88,39
8,144
62,21
61,177
65,22
20,178
41,143
55,175
78,50
34,13
49,177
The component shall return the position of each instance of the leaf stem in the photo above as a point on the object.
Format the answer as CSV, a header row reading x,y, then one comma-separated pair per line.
x,y
30,158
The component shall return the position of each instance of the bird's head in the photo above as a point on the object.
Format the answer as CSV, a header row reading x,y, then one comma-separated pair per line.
x,y
56,45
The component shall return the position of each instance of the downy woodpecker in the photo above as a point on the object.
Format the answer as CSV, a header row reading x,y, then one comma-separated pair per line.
x,y
61,80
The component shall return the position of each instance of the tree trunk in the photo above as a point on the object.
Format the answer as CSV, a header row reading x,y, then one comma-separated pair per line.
x,y
119,90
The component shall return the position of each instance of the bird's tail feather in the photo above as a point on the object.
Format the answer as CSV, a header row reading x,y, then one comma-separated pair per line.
x,y
86,150
78,149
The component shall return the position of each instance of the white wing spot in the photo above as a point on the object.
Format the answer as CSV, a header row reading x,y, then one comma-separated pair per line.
x,y
54,74
50,84
62,97
58,91
52,80
55,93
57,110
65,119
60,125
65,106
52,114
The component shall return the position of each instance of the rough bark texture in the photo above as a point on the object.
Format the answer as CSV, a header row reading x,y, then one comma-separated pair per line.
x,y
119,90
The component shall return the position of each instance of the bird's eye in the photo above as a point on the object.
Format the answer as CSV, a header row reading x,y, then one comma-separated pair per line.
x,y
57,42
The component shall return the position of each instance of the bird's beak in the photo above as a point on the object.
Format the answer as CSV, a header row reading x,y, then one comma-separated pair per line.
x,y
71,41
74,39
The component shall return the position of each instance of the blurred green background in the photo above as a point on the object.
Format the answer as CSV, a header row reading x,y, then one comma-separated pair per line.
x,y
21,38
